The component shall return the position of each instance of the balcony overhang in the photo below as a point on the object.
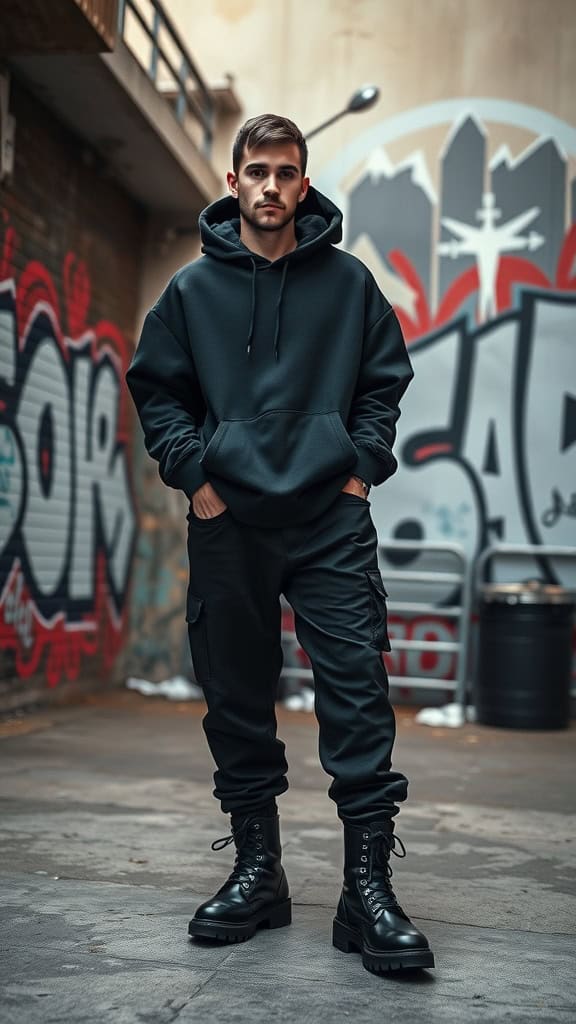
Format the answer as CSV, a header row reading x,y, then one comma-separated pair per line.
x,y
109,101
62,26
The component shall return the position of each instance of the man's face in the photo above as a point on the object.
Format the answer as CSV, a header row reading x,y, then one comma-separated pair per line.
x,y
269,185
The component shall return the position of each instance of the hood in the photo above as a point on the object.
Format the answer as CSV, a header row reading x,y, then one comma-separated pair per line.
x,y
318,223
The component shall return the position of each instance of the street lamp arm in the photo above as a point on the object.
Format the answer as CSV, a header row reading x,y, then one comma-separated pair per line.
x,y
363,99
326,124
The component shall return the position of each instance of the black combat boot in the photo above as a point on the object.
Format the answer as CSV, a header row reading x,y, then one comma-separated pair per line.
x,y
369,919
256,893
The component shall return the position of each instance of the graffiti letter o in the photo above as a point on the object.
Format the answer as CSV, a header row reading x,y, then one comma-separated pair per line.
x,y
46,523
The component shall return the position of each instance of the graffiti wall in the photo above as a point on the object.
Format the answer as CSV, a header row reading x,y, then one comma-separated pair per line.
x,y
67,518
464,211
71,243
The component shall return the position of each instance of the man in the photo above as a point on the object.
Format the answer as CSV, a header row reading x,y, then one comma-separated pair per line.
x,y
267,380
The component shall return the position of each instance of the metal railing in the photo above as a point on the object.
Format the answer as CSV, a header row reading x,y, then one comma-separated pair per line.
x,y
460,612
188,90
468,580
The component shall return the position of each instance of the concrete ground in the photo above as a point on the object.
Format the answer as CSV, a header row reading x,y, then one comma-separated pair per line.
x,y
107,820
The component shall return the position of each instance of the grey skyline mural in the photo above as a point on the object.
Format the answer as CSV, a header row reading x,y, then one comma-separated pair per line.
x,y
462,188
516,207
518,186
395,210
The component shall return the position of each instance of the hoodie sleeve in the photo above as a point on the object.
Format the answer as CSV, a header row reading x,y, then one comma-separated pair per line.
x,y
164,385
384,375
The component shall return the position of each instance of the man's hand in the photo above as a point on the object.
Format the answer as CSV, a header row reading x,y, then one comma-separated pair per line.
x,y
354,487
206,503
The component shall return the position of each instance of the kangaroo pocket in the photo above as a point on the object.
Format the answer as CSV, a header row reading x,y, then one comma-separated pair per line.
x,y
280,452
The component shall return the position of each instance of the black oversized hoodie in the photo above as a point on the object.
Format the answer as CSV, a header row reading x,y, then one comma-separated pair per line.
x,y
275,381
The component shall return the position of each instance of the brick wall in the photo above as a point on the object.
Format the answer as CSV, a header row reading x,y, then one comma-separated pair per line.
x,y
70,260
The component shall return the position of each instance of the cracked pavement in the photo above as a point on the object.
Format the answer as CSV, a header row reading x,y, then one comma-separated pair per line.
x,y
107,820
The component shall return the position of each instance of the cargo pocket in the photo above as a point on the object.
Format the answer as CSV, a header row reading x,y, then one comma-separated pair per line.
x,y
378,597
198,636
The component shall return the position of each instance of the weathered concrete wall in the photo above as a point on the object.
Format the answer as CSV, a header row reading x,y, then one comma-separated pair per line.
x,y
305,59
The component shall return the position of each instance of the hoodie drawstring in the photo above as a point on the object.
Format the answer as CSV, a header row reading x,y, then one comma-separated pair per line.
x,y
252,308
278,309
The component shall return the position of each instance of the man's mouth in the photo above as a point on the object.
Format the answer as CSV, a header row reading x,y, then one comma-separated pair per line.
x,y
270,206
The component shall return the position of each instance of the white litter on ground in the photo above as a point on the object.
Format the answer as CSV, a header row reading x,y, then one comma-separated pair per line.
x,y
302,701
450,715
176,688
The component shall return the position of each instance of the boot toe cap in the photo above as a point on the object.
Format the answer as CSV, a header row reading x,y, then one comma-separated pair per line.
x,y
221,910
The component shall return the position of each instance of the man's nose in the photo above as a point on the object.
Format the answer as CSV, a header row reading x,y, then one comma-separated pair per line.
x,y
271,185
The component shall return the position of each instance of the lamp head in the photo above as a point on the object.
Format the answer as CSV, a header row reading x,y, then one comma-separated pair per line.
x,y
363,99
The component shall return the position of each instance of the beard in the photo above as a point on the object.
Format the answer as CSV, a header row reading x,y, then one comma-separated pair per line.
x,y
251,217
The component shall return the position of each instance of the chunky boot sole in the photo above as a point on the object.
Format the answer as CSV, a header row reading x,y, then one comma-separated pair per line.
x,y
348,940
277,916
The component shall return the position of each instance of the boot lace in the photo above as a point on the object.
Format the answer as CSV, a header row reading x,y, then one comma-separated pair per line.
x,y
245,870
378,891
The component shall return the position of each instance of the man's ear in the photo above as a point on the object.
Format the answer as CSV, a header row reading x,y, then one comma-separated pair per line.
x,y
304,189
232,180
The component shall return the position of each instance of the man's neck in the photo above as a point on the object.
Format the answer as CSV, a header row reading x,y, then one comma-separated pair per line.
x,y
272,245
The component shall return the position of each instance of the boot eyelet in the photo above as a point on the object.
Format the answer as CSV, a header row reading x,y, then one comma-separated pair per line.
x,y
365,835
374,910
364,846
363,858
363,881
256,826
362,871
259,857
258,846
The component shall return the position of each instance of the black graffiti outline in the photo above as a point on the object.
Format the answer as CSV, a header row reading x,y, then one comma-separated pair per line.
x,y
559,508
451,435
529,300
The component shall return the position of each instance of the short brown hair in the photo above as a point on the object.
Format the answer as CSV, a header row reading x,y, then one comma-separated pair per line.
x,y
268,128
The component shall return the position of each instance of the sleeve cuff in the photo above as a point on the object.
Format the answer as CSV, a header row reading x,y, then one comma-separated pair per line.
x,y
373,469
188,476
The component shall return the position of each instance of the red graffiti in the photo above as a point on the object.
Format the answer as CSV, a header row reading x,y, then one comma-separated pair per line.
x,y
512,272
8,247
77,292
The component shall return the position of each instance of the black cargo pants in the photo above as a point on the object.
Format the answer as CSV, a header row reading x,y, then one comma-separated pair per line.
x,y
327,568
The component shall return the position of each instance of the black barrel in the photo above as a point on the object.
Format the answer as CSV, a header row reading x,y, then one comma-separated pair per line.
x,y
524,656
